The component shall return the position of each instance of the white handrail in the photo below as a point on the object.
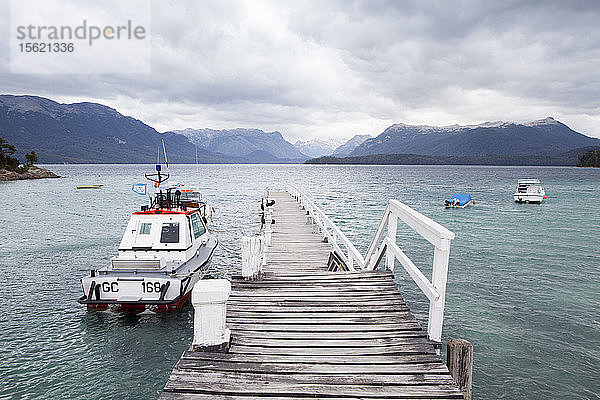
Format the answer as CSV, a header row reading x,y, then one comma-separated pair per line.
x,y
330,231
384,243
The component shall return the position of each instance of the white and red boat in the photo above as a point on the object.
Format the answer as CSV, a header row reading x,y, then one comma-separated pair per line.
x,y
529,191
163,253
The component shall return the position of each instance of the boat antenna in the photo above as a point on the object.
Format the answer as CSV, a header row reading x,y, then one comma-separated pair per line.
x,y
165,152
157,177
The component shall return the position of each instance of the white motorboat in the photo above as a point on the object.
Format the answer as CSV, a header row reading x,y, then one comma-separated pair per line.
x,y
162,254
529,191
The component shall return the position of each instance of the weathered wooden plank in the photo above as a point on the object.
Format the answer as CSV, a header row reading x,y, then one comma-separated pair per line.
x,y
329,319
312,303
328,369
310,284
237,378
316,286
329,335
335,343
347,294
337,294
315,359
286,388
204,396
334,351
319,275
241,307
408,326
318,315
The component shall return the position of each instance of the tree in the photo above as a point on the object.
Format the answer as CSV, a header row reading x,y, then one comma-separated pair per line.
x,y
590,159
6,161
6,149
31,158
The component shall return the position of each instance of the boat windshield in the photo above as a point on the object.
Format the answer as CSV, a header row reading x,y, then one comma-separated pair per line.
x,y
170,232
197,225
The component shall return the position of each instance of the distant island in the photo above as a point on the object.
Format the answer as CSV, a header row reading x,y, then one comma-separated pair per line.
x,y
567,159
11,168
590,159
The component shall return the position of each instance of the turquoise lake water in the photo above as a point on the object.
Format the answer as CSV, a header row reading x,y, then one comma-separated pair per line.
x,y
523,285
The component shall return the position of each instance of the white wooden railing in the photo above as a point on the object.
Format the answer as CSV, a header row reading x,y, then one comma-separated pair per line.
x,y
350,255
384,244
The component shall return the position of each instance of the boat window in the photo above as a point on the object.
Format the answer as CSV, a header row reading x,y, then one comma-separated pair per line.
x,y
145,228
197,225
170,232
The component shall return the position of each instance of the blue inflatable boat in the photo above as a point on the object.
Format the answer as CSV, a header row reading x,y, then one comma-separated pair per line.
x,y
459,200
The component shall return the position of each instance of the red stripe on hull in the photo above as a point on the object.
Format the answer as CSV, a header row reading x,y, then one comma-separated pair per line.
x,y
100,307
178,304
138,308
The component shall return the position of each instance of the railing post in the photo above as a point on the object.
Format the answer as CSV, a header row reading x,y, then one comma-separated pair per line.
x,y
269,226
252,257
268,213
439,277
209,297
392,227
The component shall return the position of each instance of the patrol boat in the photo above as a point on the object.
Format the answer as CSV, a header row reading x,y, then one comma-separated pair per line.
x,y
165,248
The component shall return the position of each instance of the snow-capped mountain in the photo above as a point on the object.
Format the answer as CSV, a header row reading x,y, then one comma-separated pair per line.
x,y
318,147
242,142
545,136
350,145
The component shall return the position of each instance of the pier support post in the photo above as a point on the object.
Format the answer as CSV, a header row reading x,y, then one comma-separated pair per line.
x,y
253,252
459,359
209,297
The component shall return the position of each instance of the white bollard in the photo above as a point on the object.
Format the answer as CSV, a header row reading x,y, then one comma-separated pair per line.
x,y
246,263
253,249
209,298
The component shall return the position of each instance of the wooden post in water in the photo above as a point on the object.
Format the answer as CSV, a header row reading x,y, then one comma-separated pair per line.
x,y
209,297
459,359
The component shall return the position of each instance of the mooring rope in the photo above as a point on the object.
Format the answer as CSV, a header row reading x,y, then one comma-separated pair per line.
x,y
236,252
234,229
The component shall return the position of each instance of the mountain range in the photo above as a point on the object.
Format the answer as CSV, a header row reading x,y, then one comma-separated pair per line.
x,y
242,142
543,137
95,133
85,133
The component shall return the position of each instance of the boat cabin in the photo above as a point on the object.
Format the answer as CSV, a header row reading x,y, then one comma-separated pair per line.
x,y
529,186
159,230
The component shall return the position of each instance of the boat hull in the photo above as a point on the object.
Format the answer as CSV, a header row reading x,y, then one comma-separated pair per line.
x,y
133,296
528,198
133,293
458,206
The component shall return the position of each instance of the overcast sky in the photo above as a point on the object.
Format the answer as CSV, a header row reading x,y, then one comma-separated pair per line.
x,y
332,69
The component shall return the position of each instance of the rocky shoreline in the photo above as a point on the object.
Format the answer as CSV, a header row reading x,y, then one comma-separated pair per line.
x,y
32,173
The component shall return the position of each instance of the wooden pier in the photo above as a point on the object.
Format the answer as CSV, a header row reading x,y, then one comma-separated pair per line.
x,y
303,332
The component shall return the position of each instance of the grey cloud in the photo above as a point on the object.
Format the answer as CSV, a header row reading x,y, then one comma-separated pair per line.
x,y
336,68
